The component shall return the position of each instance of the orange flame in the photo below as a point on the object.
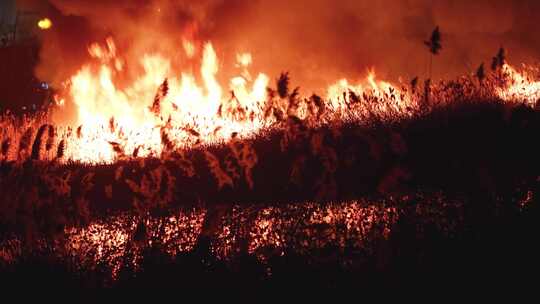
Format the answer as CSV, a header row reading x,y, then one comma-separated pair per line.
x,y
188,109
109,114
520,86
164,108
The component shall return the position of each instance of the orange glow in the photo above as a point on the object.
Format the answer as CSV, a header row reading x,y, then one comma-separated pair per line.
x,y
390,99
45,23
519,86
134,117
115,242
145,104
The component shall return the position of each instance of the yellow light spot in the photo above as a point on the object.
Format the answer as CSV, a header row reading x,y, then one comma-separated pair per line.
x,y
45,24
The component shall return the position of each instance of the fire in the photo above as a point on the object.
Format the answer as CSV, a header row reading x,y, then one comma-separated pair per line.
x,y
45,23
165,107
390,100
191,110
519,86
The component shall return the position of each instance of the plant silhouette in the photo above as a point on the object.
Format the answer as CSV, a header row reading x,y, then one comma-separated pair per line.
x,y
434,46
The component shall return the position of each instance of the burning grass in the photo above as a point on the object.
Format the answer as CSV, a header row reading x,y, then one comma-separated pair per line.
x,y
370,162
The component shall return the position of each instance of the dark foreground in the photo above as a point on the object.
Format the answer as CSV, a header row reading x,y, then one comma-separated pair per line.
x,y
448,199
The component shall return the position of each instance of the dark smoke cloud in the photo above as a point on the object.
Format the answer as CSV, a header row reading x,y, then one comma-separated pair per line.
x,y
316,40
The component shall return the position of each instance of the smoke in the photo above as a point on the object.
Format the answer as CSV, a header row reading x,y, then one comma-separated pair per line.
x,y
318,41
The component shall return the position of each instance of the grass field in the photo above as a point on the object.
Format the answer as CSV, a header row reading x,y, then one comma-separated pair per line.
x,y
446,188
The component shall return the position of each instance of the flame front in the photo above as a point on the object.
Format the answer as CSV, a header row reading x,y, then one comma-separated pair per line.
x,y
135,117
519,86
167,107
185,108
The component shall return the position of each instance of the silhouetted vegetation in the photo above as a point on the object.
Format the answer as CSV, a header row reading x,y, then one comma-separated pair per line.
x,y
434,45
480,73
445,188
499,60
434,42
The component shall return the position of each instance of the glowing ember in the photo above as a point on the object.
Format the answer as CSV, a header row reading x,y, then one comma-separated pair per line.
x,y
119,242
45,24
